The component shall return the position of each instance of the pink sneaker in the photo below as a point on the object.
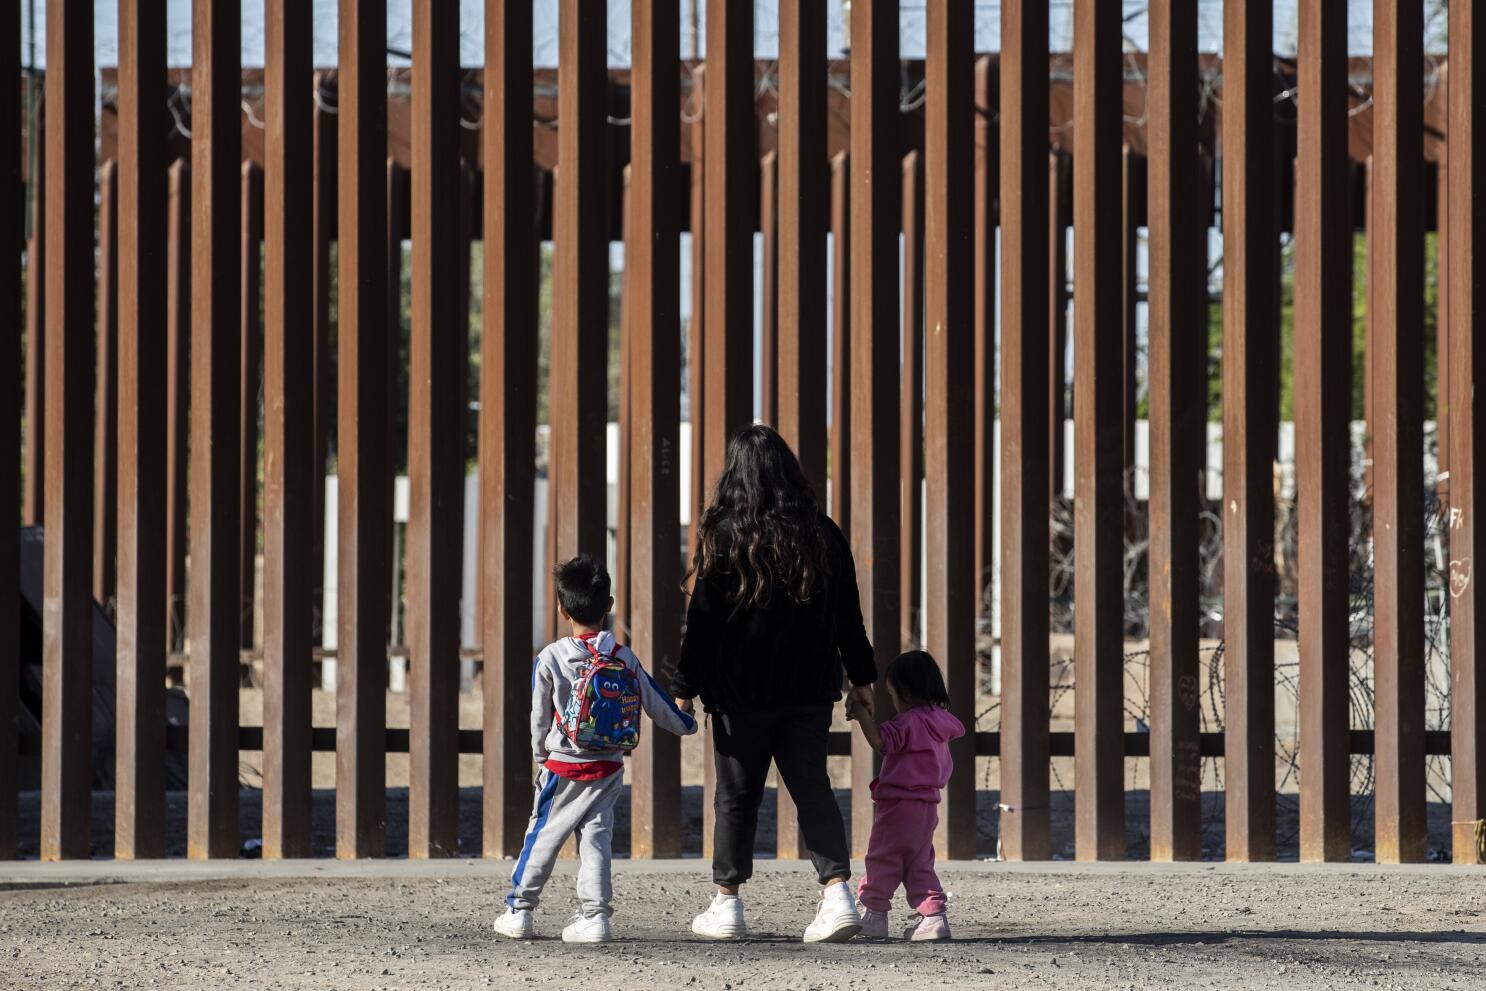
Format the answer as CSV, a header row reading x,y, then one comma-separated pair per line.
x,y
928,928
874,924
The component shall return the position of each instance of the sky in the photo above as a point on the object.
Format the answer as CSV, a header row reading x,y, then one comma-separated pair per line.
x,y
544,40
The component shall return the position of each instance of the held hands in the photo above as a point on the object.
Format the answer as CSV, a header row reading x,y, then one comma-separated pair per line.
x,y
687,706
861,710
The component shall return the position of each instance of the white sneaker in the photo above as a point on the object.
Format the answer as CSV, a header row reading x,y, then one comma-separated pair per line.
x,y
722,920
928,929
516,923
836,921
874,924
587,929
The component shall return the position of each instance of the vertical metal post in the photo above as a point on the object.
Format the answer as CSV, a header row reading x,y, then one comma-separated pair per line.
x,y
250,379
875,499
803,216
177,397
1024,432
987,181
653,262
949,433
435,436
67,619
1178,421
1467,436
364,486
1323,361
1250,356
1398,438
728,256
12,226
1099,439
839,447
580,324
106,383
801,357
289,565
139,757
729,161
911,402
508,422
215,510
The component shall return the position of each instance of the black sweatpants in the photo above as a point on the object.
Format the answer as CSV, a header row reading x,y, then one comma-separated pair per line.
x,y
795,738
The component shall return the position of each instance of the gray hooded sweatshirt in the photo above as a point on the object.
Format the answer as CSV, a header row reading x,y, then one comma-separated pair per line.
x,y
552,677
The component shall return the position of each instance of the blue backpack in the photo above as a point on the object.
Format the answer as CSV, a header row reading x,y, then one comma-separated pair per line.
x,y
603,710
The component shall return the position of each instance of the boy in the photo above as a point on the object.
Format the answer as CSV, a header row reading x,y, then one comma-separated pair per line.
x,y
579,779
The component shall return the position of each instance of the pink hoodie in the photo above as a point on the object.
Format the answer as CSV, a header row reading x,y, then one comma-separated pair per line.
x,y
915,754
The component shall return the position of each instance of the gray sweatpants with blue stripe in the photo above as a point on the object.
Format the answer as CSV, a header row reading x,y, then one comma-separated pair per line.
x,y
563,807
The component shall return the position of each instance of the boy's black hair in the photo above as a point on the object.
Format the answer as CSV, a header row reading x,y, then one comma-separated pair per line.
x,y
583,589
916,678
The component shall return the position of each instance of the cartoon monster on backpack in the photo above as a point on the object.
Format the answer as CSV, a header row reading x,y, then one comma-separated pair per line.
x,y
603,710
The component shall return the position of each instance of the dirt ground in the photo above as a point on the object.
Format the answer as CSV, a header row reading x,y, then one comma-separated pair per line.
x,y
401,925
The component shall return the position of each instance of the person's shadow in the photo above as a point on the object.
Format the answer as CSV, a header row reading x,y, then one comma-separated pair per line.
x,y
1146,939
1232,935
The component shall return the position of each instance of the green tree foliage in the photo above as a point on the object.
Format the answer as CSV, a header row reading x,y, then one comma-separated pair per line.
x,y
1427,324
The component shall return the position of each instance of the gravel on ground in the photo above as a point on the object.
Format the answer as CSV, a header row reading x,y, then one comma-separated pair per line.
x,y
406,925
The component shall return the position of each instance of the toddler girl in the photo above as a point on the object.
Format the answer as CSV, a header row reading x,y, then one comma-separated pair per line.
x,y
915,767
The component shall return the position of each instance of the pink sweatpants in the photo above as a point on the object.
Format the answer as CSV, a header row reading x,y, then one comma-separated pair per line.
x,y
901,852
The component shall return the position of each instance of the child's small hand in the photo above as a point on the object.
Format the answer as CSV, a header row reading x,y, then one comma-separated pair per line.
x,y
851,710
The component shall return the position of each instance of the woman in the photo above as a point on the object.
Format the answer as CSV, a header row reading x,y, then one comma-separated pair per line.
x,y
774,617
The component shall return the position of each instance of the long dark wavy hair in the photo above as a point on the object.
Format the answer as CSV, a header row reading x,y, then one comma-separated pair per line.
x,y
762,528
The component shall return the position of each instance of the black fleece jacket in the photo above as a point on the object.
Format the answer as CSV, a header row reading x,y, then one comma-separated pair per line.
x,y
743,658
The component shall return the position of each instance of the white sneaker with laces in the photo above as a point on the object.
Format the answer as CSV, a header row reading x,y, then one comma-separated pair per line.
x,y
836,921
587,929
516,923
722,920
